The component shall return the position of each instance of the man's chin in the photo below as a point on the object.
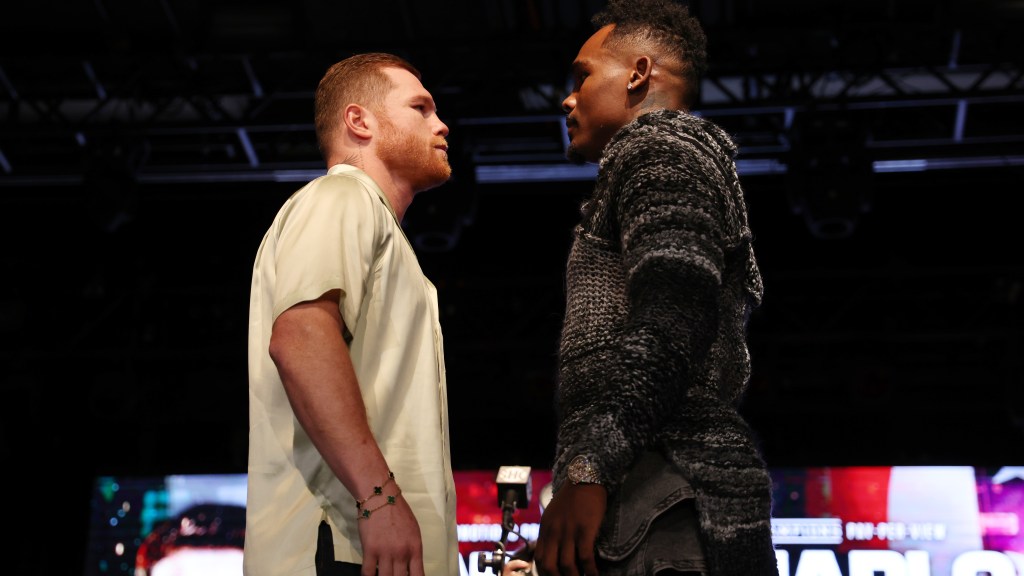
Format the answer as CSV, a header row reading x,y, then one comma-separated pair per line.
x,y
436,178
444,174
575,156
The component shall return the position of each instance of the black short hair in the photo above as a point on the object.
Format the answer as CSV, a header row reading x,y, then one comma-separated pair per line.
x,y
665,23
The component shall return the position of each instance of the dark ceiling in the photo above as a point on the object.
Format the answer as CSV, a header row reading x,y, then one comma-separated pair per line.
x,y
146,144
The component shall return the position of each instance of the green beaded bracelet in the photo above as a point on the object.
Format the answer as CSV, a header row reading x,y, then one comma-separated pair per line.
x,y
389,501
377,490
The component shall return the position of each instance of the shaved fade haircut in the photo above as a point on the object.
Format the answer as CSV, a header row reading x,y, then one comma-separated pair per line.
x,y
665,26
358,79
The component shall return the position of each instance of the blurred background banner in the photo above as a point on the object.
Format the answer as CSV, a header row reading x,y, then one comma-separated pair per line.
x,y
828,521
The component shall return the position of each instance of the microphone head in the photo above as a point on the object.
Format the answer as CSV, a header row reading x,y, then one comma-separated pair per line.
x,y
515,479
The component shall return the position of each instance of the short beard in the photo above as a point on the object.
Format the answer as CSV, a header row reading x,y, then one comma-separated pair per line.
x,y
412,156
574,155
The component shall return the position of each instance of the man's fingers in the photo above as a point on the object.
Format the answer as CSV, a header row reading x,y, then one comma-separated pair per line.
x,y
369,565
585,553
567,557
589,567
416,566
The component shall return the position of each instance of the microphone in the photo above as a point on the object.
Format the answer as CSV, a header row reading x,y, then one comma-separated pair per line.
x,y
514,491
514,486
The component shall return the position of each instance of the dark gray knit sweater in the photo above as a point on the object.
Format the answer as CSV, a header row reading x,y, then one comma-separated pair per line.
x,y
661,280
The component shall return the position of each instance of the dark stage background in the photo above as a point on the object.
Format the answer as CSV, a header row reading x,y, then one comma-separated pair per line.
x,y
146,145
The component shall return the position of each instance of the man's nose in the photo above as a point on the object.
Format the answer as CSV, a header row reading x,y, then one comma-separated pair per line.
x,y
442,128
569,103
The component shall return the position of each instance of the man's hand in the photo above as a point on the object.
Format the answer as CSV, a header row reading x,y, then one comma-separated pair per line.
x,y
392,545
568,531
515,568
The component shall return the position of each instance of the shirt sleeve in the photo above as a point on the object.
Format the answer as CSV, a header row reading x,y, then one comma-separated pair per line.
x,y
328,239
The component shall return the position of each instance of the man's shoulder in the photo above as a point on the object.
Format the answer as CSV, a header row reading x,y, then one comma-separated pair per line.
x,y
666,138
336,187
327,197
650,139
676,125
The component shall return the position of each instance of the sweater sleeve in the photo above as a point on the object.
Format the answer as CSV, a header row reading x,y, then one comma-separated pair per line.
x,y
667,199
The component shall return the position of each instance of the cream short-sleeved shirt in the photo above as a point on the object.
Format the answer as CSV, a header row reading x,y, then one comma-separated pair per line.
x,y
340,232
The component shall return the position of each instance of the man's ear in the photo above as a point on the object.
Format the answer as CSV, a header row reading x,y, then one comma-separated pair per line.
x,y
359,121
641,73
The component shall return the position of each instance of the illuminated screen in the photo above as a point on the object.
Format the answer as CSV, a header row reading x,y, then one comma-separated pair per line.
x,y
828,521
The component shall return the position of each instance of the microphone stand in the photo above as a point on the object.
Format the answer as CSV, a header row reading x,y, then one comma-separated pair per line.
x,y
500,555
515,480
508,524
